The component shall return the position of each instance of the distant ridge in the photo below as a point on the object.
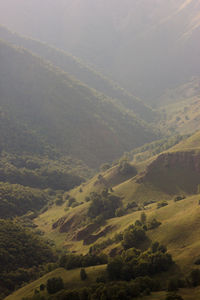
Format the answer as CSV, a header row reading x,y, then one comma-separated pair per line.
x,y
63,112
80,70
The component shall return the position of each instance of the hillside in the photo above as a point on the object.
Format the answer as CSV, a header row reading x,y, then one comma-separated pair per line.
x,y
178,230
62,112
180,108
80,70
99,188
157,200
23,256
147,47
161,178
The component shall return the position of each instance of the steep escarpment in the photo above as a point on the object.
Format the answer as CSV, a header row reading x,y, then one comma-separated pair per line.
x,y
174,172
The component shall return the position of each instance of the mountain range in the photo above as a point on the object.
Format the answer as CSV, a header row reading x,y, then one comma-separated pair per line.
x,y
99,150
147,48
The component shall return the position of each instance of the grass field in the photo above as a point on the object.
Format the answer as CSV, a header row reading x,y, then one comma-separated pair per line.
x,y
71,280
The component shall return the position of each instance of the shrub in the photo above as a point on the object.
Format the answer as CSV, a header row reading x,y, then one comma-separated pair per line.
x,y
83,274
87,199
131,205
162,204
75,204
153,224
179,198
42,287
148,202
59,201
197,261
71,200
119,212
143,218
195,277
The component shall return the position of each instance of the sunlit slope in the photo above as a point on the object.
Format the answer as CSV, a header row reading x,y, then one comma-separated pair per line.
x,y
179,229
80,70
192,143
70,278
64,112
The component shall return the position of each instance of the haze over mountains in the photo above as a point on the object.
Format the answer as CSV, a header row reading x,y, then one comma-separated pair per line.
x,y
99,149
146,46
63,112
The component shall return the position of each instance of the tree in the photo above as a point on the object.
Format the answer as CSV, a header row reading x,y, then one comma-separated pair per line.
x,y
143,218
133,237
114,268
195,277
42,287
54,285
83,274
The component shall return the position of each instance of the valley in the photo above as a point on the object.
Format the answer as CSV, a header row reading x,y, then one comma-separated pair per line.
x,y
99,150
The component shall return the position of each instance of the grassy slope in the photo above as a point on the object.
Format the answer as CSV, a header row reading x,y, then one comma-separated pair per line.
x,y
192,143
180,107
71,280
130,190
179,230
180,220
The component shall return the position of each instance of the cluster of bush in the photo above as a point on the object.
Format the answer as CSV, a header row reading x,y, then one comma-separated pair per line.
x,y
103,205
16,200
73,261
134,263
42,172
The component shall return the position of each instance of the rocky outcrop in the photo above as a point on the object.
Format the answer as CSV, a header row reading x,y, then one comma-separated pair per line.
x,y
94,237
85,232
59,222
69,223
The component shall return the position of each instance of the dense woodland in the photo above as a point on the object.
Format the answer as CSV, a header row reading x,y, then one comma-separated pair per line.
x,y
23,256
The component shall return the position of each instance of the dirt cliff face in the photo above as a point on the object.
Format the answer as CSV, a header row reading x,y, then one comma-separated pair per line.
x,y
174,172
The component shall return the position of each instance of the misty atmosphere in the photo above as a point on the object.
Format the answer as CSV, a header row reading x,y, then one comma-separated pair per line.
x,y
99,149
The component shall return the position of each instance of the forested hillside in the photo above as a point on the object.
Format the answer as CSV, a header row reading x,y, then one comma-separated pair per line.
x,y
62,112
22,255
83,72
